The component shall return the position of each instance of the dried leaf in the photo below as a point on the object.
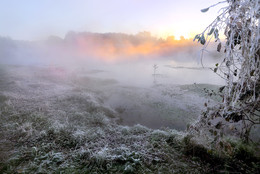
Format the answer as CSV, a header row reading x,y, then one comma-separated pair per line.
x,y
216,34
235,72
211,31
196,37
221,88
252,72
221,144
204,10
202,39
228,63
219,47
239,25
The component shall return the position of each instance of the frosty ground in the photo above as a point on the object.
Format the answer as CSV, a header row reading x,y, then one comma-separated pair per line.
x,y
57,120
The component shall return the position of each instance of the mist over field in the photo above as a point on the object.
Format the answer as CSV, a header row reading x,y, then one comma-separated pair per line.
x,y
142,79
98,93
105,98
84,101
122,87
91,84
128,56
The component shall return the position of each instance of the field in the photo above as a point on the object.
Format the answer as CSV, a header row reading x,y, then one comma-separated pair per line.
x,y
58,120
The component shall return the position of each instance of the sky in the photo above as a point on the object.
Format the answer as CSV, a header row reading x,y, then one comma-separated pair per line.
x,y
35,19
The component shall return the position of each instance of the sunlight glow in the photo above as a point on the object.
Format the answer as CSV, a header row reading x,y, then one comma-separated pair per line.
x,y
114,46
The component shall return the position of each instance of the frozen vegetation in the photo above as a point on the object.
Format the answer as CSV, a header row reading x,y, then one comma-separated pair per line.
x,y
58,120
120,103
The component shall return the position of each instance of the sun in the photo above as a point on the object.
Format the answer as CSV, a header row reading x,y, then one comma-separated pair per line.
x,y
176,34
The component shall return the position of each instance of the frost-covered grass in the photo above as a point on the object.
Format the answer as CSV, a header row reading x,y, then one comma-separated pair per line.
x,y
50,126
38,145
205,90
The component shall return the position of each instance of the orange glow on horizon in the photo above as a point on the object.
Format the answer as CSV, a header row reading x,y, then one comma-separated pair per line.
x,y
115,47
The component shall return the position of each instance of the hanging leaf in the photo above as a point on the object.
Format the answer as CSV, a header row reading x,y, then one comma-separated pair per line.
x,y
216,64
204,10
202,39
228,63
215,69
211,31
219,47
235,72
252,72
215,133
196,37
221,88
216,34
221,144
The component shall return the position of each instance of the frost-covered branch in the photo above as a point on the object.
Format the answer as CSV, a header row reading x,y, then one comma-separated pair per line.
x,y
240,68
